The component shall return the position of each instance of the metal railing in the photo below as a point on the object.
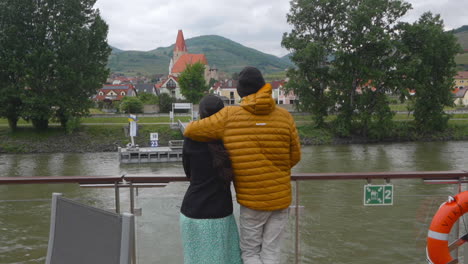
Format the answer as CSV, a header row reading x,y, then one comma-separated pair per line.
x,y
181,126
428,176
145,181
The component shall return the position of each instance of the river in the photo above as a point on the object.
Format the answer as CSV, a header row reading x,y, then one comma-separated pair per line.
x,y
335,226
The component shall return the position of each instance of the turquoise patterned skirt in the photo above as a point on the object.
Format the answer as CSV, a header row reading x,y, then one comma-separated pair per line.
x,y
210,241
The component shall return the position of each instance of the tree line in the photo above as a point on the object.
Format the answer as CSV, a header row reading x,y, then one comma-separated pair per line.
x,y
351,54
53,57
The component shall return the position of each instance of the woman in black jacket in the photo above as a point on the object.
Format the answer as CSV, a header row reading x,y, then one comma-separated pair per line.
x,y
208,227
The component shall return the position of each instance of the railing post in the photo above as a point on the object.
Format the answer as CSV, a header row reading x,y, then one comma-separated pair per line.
x,y
117,197
296,245
132,210
132,198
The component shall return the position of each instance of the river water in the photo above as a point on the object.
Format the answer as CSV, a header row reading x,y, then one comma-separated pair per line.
x,y
335,227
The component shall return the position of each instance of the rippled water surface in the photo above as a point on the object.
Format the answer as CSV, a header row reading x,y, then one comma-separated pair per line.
x,y
334,225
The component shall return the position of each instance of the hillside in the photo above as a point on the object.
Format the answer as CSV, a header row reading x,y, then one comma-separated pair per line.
x,y
462,35
463,39
228,56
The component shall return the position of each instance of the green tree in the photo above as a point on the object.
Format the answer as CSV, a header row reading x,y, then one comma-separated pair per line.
x,y
312,40
66,62
212,82
344,52
82,65
15,36
131,105
148,98
192,83
366,65
165,103
429,70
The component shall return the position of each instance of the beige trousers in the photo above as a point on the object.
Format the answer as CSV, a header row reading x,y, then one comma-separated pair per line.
x,y
261,234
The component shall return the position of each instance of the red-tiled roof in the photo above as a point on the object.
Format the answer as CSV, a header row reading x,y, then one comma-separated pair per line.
x,y
187,59
277,84
117,89
462,75
165,81
216,85
173,77
180,42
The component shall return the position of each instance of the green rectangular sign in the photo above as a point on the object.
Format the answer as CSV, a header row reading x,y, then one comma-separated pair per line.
x,y
378,194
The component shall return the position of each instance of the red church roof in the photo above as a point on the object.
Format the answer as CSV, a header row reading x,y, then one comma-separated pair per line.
x,y
187,59
180,42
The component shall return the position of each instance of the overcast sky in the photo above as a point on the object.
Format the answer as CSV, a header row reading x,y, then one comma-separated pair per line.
x,y
148,24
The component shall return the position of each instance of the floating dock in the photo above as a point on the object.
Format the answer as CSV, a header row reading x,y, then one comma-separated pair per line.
x,y
171,153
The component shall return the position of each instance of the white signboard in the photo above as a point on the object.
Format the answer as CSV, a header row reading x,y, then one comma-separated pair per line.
x,y
182,106
133,129
154,136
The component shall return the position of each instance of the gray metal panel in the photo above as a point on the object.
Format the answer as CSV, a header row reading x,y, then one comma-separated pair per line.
x,y
84,234
127,238
53,211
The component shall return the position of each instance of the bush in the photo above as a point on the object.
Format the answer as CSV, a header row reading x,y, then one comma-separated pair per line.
x,y
131,105
72,125
147,98
116,105
165,102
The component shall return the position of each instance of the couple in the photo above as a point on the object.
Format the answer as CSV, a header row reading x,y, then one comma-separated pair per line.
x,y
255,145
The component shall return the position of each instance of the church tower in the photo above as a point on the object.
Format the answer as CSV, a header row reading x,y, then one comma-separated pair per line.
x,y
180,47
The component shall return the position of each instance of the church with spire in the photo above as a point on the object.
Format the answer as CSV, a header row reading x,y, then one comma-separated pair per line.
x,y
179,61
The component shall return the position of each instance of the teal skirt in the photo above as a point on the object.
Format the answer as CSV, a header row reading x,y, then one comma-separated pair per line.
x,y
210,241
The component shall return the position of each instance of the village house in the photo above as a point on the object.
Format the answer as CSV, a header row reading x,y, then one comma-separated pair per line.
x,y
170,86
227,90
280,95
461,96
181,58
115,92
122,80
461,79
146,88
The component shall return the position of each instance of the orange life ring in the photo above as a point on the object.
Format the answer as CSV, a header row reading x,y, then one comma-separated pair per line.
x,y
437,238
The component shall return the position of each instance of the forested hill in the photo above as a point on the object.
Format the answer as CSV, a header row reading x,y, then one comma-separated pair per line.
x,y
462,35
228,56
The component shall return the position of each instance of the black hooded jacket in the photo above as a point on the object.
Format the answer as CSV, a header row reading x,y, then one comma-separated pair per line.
x,y
208,167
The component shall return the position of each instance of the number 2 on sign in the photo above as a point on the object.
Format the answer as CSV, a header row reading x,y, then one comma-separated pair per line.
x,y
388,194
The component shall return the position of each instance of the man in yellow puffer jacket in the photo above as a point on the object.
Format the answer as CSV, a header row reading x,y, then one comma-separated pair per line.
x,y
263,145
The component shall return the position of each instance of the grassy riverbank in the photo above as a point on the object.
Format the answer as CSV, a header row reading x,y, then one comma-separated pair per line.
x,y
401,132
86,139
109,120
107,137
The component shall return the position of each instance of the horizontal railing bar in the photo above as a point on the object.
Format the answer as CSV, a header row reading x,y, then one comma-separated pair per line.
x,y
62,179
425,175
381,175
445,181
110,185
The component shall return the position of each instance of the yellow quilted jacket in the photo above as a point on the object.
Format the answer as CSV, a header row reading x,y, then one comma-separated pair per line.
x,y
263,145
